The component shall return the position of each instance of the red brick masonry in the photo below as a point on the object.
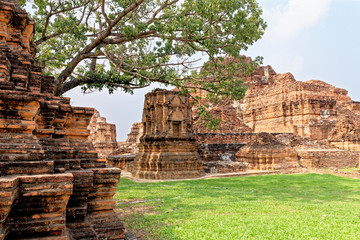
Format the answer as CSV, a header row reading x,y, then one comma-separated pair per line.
x,y
52,185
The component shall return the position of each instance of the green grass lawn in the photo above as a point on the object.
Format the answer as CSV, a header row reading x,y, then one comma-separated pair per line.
x,y
302,206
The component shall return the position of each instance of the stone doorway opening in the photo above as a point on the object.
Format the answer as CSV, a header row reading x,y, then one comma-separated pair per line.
x,y
176,129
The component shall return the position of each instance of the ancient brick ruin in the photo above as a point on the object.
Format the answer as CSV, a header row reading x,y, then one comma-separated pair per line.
x,y
308,109
280,124
125,154
310,122
102,135
52,185
133,139
135,133
167,148
265,152
218,148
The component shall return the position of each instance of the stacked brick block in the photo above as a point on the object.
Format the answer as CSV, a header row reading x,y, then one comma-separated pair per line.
x,y
52,185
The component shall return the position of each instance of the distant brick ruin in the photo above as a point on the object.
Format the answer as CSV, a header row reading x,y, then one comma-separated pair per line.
x,y
52,185
312,121
102,135
123,156
167,148
133,139
280,124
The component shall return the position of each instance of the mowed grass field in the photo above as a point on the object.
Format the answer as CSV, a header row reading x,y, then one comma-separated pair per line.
x,y
300,206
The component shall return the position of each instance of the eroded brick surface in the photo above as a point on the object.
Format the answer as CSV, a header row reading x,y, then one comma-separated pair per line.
x,y
52,184
265,152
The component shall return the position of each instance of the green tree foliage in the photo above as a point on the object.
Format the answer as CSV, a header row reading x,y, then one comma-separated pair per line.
x,y
129,44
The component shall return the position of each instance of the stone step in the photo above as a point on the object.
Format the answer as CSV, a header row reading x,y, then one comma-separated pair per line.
x,y
8,157
20,150
82,230
20,136
17,145
17,141
69,155
26,167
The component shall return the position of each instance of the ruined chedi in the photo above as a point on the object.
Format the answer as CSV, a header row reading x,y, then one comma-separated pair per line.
x,y
52,186
282,123
167,148
317,120
309,109
130,145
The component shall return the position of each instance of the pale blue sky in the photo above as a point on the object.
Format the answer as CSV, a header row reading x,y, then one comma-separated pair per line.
x,y
313,39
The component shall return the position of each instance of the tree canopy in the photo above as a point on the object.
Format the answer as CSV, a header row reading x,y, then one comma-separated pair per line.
x,y
128,44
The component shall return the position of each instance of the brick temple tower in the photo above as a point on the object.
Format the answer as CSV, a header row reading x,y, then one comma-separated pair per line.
x,y
167,148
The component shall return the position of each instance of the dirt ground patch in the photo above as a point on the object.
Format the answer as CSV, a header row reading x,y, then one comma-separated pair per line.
x,y
135,209
130,213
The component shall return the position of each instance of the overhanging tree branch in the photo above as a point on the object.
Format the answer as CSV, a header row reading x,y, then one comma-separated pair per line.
x,y
96,42
145,41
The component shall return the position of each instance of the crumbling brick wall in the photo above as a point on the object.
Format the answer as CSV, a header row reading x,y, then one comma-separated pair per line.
x,y
52,185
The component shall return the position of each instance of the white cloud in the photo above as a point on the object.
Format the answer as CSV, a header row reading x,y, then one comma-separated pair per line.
x,y
290,19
